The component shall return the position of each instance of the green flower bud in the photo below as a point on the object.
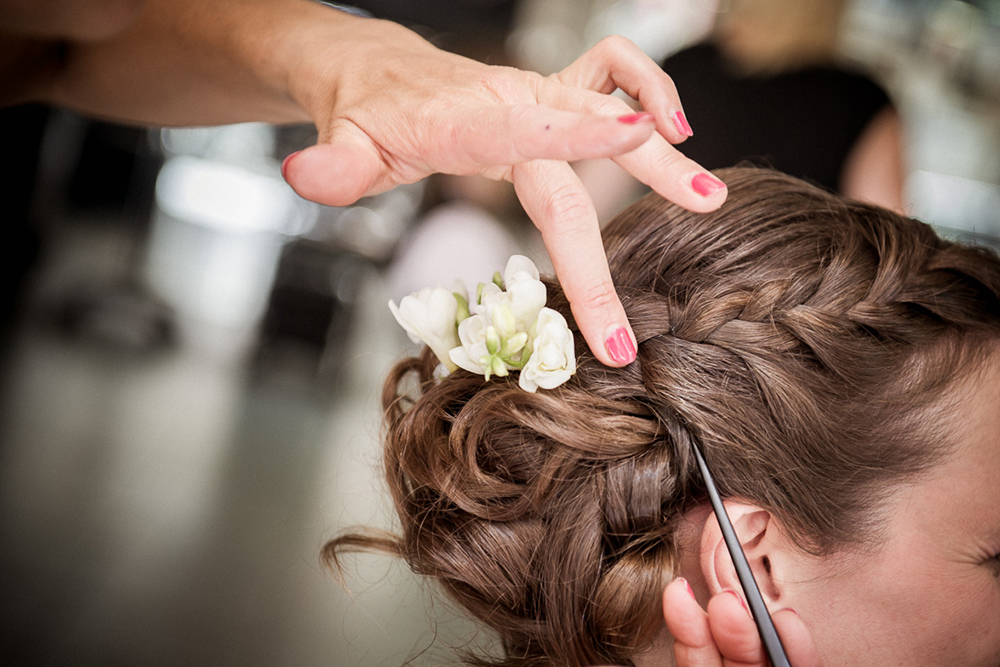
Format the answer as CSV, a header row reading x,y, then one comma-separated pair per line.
x,y
486,362
513,344
463,307
492,341
503,320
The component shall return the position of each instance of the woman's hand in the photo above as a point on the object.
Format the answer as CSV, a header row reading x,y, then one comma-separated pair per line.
x,y
391,108
725,635
395,109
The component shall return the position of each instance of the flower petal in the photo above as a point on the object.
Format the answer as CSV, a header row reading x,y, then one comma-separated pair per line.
x,y
516,265
460,357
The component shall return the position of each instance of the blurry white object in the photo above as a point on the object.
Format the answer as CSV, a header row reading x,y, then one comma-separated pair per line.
x,y
217,232
236,144
658,27
227,197
550,34
956,203
371,227
453,241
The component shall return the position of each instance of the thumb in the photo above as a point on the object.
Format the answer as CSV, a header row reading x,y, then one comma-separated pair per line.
x,y
337,173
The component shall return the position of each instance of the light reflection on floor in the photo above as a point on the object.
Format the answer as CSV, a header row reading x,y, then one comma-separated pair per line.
x,y
168,510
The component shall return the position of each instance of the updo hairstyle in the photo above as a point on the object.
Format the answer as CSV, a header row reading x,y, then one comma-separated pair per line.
x,y
799,338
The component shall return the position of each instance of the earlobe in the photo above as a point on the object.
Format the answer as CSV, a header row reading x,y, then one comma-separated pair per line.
x,y
758,533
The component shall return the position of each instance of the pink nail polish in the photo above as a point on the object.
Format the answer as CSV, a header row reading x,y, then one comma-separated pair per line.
x,y
619,346
635,118
284,163
706,184
688,586
682,124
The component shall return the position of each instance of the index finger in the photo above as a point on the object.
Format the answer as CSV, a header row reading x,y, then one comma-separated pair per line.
x,y
558,204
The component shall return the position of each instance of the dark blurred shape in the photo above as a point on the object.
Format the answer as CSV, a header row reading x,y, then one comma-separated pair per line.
x,y
455,16
804,122
309,314
121,316
64,170
108,173
21,131
771,87
107,177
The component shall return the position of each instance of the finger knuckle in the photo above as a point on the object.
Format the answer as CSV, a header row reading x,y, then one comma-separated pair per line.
x,y
665,162
599,296
507,84
615,44
565,207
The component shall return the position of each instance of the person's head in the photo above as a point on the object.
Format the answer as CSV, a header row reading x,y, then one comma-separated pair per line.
x,y
766,36
838,365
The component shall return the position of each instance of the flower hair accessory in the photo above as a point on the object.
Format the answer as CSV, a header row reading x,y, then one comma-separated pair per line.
x,y
508,328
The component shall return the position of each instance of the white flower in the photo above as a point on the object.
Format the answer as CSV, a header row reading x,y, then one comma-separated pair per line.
x,y
526,292
472,334
553,359
490,296
428,316
523,296
507,329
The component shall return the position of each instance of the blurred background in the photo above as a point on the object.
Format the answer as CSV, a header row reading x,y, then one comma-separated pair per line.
x,y
191,355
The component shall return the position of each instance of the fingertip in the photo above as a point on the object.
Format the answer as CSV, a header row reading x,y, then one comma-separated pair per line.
x,y
739,598
637,118
682,125
613,345
706,184
705,192
795,637
673,126
678,594
685,618
284,163
619,345
329,174
734,629
729,613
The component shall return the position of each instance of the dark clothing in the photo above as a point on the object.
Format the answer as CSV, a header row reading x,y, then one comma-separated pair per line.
x,y
802,122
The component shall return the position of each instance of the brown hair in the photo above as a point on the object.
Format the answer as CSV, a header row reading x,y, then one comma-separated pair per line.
x,y
798,337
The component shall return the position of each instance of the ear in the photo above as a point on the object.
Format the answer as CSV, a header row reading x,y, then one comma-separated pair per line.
x,y
766,547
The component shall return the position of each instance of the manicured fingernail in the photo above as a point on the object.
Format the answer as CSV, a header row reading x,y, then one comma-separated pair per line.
x,y
706,184
634,118
688,587
682,124
738,597
284,163
791,610
620,347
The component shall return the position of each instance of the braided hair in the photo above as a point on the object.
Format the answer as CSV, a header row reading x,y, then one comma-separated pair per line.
x,y
803,340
